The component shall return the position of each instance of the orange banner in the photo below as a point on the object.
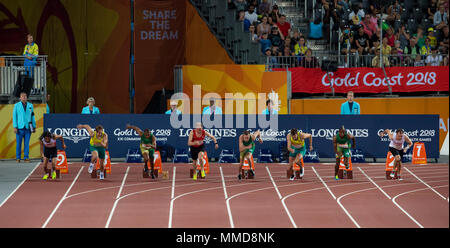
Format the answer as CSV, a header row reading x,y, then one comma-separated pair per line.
x,y
241,83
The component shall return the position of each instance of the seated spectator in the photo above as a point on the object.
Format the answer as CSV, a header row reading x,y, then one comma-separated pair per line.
x,y
385,48
376,59
284,26
288,43
253,35
411,51
397,54
419,61
443,40
440,18
390,37
296,36
432,37
432,8
276,38
265,43
251,15
315,29
375,41
403,36
420,38
90,109
368,26
362,41
241,16
275,14
347,40
434,59
212,109
353,16
394,12
426,49
263,27
376,7
309,61
269,109
264,8
300,48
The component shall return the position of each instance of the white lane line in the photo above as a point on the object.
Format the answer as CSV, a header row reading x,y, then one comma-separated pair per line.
x,y
425,184
14,191
282,202
230,216
338,200
393,200
326,186
117,198
370,179
62,199
173,182
274,184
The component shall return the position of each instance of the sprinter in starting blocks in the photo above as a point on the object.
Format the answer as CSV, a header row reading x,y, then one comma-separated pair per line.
x,y
246,149
49,151
341,144
397,149
147,146
296,146
97,146
205,163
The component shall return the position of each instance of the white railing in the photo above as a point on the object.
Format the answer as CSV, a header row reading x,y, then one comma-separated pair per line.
x,y
12,66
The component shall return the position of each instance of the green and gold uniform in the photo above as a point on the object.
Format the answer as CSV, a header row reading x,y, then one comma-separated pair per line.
x,y
100,149
147,141
251,150
297,142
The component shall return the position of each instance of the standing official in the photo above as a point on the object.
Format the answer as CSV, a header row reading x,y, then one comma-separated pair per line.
x,y
24,124
350,107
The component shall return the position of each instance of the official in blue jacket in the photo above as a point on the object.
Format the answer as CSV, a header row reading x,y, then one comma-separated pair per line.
x,y
24,123
350,107
90,108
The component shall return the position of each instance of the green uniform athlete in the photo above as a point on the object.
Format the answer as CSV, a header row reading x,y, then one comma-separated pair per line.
x,y
246,148
147,146
341,146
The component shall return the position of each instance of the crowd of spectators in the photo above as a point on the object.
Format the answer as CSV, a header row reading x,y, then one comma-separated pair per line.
x,y
406,32
410,35
278,40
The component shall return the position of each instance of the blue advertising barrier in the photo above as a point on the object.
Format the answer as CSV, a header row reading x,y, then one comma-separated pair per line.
x,y
423,128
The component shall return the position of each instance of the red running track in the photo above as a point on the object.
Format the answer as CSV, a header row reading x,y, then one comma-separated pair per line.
x,y
126,199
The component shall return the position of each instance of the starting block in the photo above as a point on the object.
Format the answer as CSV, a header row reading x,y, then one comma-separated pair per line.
x,y
390,166
61,164
106,166
205,167
419,155
295,169
157,166
246,168
343,172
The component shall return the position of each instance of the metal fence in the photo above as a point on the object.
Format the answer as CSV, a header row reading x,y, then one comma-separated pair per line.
x,y
350,60
12,66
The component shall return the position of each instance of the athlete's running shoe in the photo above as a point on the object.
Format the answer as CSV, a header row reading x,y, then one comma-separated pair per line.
x,y
53,175
302,172
91,168
336,177
239,177
292,177
195,175
252,172
392,174
45,177
153,175
203,173
102,175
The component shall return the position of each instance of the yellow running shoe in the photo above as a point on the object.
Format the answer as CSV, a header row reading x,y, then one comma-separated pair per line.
x,y
45,177
203,173
194,176
53,175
